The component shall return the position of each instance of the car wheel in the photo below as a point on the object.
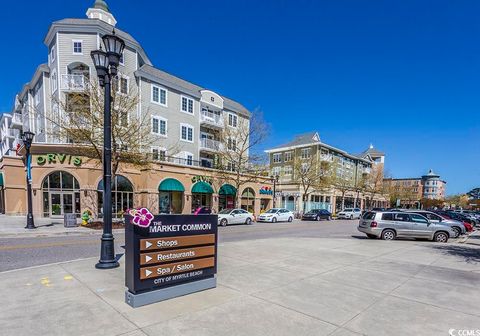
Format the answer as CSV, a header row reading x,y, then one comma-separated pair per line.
x,y
457,231
440,237
329,218
223,222
274,219
317,219
388,234
371,236
248,221
290,219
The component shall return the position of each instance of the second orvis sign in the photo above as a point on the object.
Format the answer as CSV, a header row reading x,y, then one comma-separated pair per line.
x,y
168,255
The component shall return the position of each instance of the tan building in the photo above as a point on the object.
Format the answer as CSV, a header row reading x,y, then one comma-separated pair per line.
x,y
351,169
64,183
409,192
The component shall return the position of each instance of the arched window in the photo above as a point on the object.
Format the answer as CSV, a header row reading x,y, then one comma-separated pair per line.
x,y
122,196
61,194
248,200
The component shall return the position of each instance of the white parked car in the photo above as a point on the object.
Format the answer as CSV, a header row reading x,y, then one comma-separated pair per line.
x,y
350,213
276,215
235,216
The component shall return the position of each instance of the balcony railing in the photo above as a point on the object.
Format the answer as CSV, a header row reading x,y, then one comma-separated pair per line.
x,y
326,157
17,118
210,144
211,118
73,82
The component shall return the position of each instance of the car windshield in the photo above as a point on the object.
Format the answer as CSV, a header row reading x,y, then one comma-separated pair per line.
x,y
225,212
272,211
348,210
313,211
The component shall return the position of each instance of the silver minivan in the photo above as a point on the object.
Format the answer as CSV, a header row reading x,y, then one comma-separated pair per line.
x,y
389,225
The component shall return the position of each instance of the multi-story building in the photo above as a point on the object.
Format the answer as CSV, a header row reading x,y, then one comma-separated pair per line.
x,y
409,192
10,136
349,171
182,115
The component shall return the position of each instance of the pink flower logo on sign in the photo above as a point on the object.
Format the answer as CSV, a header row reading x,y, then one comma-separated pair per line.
x,y
141,217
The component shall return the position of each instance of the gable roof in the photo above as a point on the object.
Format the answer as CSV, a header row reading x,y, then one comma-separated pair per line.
x,y
372,152
177,83
301,140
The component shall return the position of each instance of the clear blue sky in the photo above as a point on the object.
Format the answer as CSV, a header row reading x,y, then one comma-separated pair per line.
x,y
401,74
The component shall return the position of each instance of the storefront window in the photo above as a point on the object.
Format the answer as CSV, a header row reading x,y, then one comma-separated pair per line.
x,y
248,200
122,196
170,196
201,195
226,197
60,194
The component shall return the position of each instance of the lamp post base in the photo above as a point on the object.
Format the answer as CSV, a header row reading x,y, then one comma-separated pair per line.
x,y
30,222
107,253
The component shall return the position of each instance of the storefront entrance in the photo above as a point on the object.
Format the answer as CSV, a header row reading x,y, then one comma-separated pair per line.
x,y
122,196
201,195
226,197
170,196
61,195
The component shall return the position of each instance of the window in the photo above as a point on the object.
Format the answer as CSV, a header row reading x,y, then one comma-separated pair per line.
x,y
305,168
52,54
276,171
36,96
288,170
232,120
277,157
418,219
158,154
288,156
159,95
231,166
189,158
122,59
232,144
186,132
159,126
187,105
123,85
77,46
305,153
402,217
53,80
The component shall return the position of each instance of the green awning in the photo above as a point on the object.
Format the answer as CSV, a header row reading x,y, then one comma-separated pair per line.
x,y
228,189
171,184
202,188
1,180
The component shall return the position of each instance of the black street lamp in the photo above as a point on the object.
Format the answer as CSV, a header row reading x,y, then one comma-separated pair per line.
x,y
106,63
27,138
275,181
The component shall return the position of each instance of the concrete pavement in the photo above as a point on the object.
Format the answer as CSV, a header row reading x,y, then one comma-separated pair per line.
x,y
278,286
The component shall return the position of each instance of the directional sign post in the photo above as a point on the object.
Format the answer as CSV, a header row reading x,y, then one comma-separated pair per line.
x,y
170,256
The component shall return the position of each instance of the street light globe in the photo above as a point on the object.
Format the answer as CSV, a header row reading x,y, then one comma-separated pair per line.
x,y
100,60
114,46
27,138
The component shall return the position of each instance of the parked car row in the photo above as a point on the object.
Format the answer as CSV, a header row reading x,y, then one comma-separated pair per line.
x,y
391,224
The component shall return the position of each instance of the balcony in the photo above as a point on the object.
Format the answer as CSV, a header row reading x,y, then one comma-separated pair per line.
x,y
326,157
210,144
73,82
12,133
211,119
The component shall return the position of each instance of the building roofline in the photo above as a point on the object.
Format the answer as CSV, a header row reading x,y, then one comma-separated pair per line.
x,y
318,143
194,90
42,68
93,26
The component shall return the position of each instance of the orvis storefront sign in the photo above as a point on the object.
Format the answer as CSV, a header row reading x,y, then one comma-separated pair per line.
x,y
168,255
59,159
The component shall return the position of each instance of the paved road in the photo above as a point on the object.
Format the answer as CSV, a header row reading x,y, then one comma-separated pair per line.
x,y
25,252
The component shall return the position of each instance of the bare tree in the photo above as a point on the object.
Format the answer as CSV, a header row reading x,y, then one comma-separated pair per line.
x,y
343,184
374,184
238,161
311,174
78,119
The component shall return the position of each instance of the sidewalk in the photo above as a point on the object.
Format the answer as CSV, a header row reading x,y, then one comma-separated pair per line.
x,y
281,286
14,226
